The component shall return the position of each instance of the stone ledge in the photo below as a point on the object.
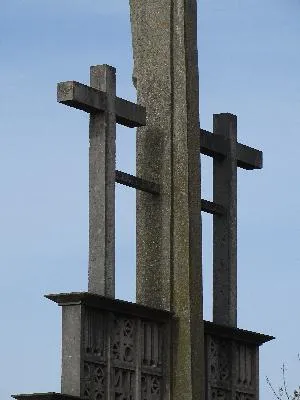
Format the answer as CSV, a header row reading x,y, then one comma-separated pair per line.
x,y
138,310
237,334
45,396
109,304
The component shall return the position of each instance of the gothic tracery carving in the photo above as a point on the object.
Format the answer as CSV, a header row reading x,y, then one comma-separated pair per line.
x,y
94,381
124,338
231,369
219,394
123,384
134,346
219,359
151,387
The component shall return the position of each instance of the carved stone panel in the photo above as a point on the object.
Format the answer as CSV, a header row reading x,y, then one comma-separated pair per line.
x,y
151,346
94,334
123,384
245,356
152,360
231,369
219,394
94,381
151,387
244,396
124,339
123,357
219,352
115,350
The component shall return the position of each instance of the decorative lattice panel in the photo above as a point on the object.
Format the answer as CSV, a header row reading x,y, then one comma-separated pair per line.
x,y
231,368
123,356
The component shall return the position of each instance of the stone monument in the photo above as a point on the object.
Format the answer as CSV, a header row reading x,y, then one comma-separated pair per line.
x,y
159,348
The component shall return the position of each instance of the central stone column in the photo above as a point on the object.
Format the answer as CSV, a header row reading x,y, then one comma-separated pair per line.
x,y
169,272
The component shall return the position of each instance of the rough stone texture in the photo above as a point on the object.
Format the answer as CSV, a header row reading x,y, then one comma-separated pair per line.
x,y
102,164
105,110
232,362
71,373
216,146
169,225
225,226
90,100
113,349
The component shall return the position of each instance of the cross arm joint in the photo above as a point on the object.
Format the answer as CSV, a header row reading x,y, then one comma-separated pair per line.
x,y
90,100
217,146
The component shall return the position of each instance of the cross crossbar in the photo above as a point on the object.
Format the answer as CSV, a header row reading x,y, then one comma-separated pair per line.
x,y
137,183
106,109
212,207
150,187
217,145
90,100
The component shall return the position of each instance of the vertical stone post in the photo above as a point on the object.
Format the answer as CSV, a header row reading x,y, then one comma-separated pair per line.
x,y
102,162
169,272
225,226
72,354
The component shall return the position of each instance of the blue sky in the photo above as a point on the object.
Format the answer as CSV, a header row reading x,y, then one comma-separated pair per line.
x,y
249,64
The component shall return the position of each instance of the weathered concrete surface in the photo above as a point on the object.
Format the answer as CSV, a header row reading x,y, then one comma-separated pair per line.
x,y
71,373
102,165
225,226
169,272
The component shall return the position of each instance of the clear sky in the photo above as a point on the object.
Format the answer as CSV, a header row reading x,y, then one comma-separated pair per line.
x,y
249,63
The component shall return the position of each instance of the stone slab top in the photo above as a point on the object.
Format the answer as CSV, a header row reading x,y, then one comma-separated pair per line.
x,y
109,304
45,396
240,335
138,310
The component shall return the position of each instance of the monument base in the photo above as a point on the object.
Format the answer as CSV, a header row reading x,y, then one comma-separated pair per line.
x,y
232,362
113,348
121,350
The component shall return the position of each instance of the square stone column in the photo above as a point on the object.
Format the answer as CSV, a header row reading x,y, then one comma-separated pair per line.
x,y
169,274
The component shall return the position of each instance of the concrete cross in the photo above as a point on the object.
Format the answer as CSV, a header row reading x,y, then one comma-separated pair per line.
x,y
228,155
105,109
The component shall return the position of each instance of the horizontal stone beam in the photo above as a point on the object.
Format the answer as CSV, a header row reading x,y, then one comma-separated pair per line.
x,y
82,97
216,145
153,188
212,145
236,334
212,208
137,183
88,99
115,306
130,114
248,158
